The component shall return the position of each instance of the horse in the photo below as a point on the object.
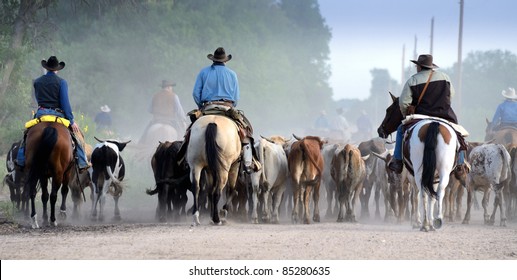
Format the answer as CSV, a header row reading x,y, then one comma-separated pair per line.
x,y
506,136
430,155
49,154
214,146
159,133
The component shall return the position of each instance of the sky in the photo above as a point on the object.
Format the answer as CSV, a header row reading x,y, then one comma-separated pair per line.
x,y
368,34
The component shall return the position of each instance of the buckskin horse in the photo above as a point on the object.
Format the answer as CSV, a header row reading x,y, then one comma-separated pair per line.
x,y
215,146
49,154
429,155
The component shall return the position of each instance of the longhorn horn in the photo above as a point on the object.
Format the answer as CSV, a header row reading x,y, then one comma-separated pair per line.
x,y
296,137
100,141
267,139
383,156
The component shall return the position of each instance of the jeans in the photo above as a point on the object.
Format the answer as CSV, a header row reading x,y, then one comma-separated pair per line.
x,y
82,160
397,154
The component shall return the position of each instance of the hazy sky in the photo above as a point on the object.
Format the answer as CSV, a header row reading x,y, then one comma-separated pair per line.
x,y
369,34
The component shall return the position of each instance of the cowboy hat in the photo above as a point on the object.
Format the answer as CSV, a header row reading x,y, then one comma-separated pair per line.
x,y
425,60
166,83
509,94
105,109
219,55
52,64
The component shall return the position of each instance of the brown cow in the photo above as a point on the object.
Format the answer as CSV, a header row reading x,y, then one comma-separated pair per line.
x,y
305,164
349,172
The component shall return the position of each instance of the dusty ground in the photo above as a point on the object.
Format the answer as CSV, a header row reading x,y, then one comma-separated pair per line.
x,y
139,237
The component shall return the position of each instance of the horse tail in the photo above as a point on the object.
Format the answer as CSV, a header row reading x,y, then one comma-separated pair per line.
x,y
429,160
212,151
41,155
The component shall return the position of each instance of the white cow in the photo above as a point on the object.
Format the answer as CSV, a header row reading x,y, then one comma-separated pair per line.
x,y
269,181
328,152
490,170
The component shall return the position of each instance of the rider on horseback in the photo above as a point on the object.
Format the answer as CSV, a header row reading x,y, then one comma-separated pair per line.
x,y
216,91
428,92
506,113
166,109
51,92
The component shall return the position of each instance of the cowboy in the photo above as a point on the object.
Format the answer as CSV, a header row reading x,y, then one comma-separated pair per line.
x,y
217,89
103,119
166,108
506,113
428,92
51,92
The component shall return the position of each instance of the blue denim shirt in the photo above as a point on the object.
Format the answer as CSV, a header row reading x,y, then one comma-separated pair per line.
x,y
216,82
506,112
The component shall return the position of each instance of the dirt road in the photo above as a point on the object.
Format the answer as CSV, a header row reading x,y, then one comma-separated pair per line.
x,y
141,238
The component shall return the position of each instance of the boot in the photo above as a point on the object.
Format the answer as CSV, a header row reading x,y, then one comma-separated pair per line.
x,y
80,156
396,165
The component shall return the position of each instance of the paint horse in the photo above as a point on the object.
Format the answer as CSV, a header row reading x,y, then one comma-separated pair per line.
x,y
429,153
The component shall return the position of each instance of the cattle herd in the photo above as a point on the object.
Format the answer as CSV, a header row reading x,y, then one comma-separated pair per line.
x,y
295,171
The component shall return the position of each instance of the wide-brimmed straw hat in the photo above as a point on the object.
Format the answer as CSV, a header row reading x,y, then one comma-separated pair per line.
x,y
166,83
219,55
425,60
105,109
509,94
53,64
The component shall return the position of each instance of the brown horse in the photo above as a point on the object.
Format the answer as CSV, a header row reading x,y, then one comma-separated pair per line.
x,y
506,136
49,154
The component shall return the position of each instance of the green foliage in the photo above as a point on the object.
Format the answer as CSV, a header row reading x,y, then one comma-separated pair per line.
x,y
117,52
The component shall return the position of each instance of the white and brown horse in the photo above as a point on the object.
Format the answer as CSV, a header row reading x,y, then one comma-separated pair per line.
x,y
430,154
216,147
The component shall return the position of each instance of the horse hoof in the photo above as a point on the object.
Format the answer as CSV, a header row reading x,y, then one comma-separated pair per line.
x,y
62,215
117,218
437,223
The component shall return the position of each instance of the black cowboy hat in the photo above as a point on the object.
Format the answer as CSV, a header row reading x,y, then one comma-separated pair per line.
x,y
52,64
166,83
219,55
425,60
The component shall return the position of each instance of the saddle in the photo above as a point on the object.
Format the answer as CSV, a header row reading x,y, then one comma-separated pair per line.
x,y
244,126
47,118
408,126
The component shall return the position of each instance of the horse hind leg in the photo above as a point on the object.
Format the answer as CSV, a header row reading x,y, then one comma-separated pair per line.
x,y
62,209
44,200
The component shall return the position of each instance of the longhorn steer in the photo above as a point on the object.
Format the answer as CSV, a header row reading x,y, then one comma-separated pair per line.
x,y
305,163
108,170
349,172
270,180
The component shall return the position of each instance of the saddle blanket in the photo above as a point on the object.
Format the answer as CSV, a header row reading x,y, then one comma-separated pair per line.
x,y
47,118
460,129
